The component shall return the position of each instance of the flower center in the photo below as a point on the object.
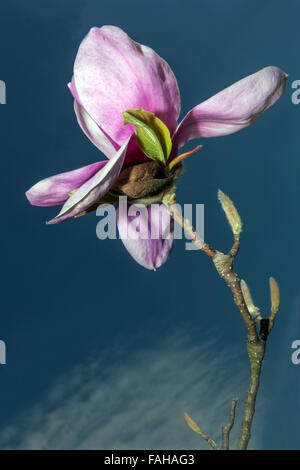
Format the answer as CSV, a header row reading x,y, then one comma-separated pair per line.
x,y
144,180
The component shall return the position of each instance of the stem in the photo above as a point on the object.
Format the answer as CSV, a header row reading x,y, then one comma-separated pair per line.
x,y
210,441
227,428
224,266
256,342
189,229
256,354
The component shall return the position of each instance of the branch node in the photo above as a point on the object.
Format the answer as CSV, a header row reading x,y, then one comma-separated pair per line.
x,y
264,329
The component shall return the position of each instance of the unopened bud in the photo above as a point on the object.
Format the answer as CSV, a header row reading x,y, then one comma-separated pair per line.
x,y
253,310
194,426
231,213
275,296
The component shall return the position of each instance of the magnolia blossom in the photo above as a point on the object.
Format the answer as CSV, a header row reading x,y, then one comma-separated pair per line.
x,y
113,73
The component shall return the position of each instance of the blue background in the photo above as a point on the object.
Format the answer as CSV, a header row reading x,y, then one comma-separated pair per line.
x,y
65,294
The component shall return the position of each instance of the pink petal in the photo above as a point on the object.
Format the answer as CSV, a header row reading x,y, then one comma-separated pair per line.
x,y
134,154
55,190
93,189
149,252
112,73
94,133
234,108
73,90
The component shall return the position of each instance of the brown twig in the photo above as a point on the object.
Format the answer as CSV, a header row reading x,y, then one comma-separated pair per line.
x,y
227,428
224,266
256,354
189,230
256,340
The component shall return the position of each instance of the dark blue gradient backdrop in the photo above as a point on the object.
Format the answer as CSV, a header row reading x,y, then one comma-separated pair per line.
x,y
65,295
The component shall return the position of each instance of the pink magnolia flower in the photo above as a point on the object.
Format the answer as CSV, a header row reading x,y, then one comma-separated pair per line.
x,y
112,74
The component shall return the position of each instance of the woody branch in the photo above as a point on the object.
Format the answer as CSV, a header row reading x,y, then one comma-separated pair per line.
x,y
258,328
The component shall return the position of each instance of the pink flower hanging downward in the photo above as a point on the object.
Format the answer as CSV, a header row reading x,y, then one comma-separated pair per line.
x,y
113,74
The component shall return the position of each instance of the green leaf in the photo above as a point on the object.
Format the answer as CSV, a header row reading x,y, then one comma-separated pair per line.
x,y
152,135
